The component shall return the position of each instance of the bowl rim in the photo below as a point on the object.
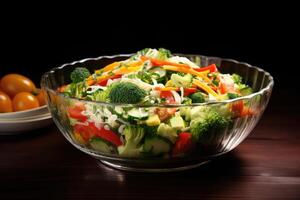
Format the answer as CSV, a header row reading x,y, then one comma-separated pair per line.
x,y
247,97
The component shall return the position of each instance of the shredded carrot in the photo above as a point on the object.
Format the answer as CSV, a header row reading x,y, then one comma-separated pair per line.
x,y
109,67
188,71
167,88
206,88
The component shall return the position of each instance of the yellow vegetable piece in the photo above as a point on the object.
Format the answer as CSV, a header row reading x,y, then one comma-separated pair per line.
x,y
153,120
136,64
79,138
188,71
169,83
112,68
109,67
206,88
169,89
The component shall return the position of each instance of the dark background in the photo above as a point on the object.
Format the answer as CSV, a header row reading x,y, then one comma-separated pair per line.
x,y
264,166
32,43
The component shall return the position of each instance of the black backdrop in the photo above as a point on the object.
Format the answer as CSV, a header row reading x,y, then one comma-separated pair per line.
x,y
33,45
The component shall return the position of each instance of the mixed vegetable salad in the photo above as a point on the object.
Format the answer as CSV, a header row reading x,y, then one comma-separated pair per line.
x,y
139,123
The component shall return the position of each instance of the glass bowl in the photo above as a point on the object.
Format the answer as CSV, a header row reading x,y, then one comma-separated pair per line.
x,y
216,143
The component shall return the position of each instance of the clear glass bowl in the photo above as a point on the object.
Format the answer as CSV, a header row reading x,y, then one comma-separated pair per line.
x,y
215,144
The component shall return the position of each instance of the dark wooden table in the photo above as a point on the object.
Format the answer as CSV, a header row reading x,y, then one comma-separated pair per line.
x,y
43,165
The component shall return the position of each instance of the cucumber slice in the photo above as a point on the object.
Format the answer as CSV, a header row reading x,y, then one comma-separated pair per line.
x,y
138,114
156,145
102,146
246,91
119,110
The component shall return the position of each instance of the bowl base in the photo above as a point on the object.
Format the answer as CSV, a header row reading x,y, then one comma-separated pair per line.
x,y
153,170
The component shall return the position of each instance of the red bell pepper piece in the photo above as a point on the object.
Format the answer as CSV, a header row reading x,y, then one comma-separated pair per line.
x,y
240,110
165,113
104,82
89,131
76,112
158,63
184,144
211,68
168,96
188,91
109,136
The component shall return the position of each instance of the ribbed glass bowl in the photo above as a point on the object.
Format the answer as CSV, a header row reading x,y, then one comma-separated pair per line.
x,y
217,143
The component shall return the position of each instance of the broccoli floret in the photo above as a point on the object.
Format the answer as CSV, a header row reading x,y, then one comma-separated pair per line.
x,y
161,53
100,95
77,90
208,124
232,95
133,137
164,54
143,52
150,130
236,78
182,81
126,92
79,74
197,97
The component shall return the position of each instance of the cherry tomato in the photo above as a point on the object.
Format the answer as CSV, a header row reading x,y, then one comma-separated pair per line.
x,y
24,101
5,103
12,84
41,97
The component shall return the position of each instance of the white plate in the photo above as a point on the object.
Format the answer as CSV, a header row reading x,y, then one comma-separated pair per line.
x,y
11,127
25,113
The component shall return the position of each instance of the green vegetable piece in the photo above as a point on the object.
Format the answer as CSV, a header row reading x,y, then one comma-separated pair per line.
x,y
209,124
126,92
138,114
185,112
153,120
164,54
232,95
133,137
246,91
182,81
79,74
177,122
77,90
156,145
236,78
102,146
197,97
167,131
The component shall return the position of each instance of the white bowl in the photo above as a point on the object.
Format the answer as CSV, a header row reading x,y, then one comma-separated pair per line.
x,y
25,113
15,126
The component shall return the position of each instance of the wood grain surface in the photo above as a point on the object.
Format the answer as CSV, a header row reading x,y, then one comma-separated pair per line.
x,y
43,165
